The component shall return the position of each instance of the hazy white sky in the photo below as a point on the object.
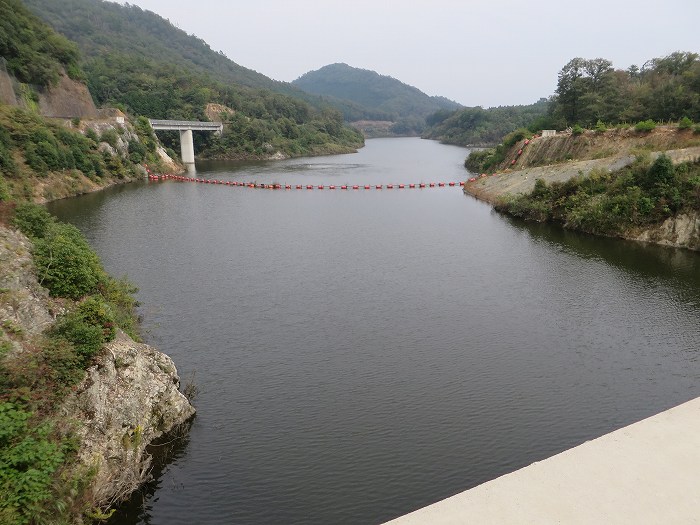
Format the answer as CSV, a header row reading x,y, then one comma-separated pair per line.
x,y
479,52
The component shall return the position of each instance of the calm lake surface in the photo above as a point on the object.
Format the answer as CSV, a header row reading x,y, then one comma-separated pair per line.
x,y
360,354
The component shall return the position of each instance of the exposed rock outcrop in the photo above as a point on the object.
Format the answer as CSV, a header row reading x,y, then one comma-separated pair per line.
x,y
129,398
7,90
68,99
23,302
215,112
681,231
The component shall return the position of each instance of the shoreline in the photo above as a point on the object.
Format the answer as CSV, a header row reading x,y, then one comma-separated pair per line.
x,y
680,231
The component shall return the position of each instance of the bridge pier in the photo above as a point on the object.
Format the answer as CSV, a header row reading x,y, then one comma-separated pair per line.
x,y
187,149
185,128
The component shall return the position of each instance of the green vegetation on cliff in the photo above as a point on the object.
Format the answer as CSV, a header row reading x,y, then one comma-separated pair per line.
x,y
43,160
612,203
38,481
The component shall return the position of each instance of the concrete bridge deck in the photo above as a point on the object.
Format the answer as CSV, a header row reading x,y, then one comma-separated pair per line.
x,y
183,125
645,473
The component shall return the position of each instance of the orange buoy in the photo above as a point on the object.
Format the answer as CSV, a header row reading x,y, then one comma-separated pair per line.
x,y
343,187
389,186
461,183
355,187
473,179
421,185
402,186
441,184
411,185
378,186
331,187
320,186
288,187
309,187
512,162
432,184
366,186
451,183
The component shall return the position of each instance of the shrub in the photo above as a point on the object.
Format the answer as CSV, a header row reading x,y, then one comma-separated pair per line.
x,y
515,136
137,151
28,460
7,163
4,190
65,262
577,130
110,137
685,123
645,125
92,135
661,172
87,327
32,219
119,295
600,127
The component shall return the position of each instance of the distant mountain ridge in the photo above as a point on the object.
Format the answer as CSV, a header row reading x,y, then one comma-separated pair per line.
x,y
373,96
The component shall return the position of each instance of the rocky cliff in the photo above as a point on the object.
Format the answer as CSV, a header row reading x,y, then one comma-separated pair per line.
x,y
128,397
67,99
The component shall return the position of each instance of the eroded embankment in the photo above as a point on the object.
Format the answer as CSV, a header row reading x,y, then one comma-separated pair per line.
x,y
681,230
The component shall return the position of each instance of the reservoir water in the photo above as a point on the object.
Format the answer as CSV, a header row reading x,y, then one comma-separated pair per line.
x,y
360,354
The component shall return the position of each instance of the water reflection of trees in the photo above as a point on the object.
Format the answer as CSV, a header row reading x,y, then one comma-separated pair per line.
x,y
672,265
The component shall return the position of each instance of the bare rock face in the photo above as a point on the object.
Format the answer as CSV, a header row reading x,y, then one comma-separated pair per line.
x,y
67,99
7,90
682,231
24,303
129,398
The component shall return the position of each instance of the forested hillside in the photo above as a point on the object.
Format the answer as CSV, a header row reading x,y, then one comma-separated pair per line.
x,y
139,62
373,96
108,27
480,126
42,159
36,54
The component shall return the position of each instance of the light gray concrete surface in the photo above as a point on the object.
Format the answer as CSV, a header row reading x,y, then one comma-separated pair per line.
x,y
645,473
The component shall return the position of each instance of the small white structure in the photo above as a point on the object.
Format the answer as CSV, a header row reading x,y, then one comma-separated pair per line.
x,y
549,132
